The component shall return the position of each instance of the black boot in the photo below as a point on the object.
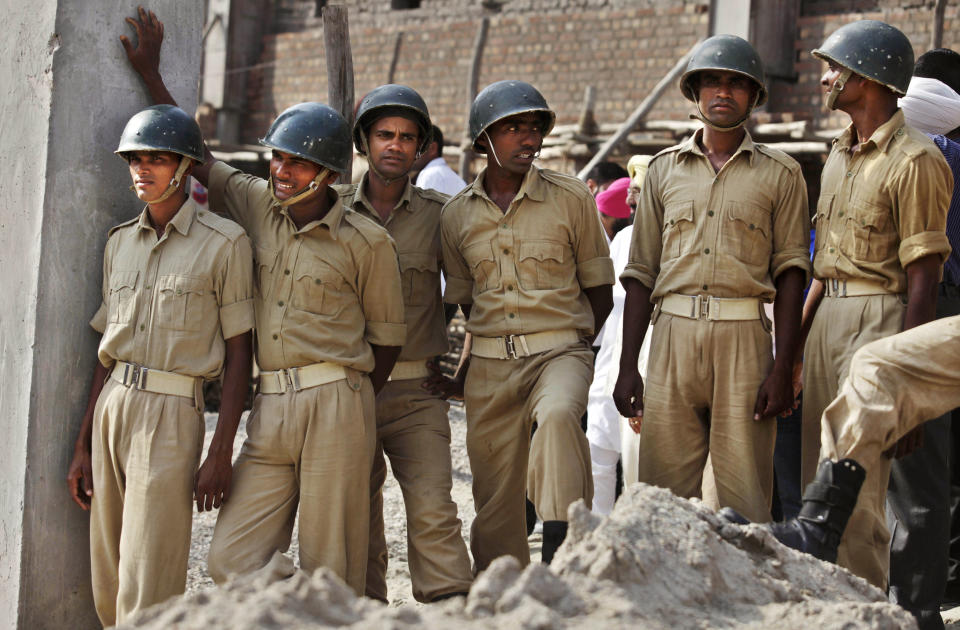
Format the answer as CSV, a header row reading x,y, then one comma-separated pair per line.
x,y
827,504
553,534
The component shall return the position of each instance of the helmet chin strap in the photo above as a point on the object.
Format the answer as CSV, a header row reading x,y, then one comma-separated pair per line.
x,y
311,188
174,185
492,150
700,116
837,87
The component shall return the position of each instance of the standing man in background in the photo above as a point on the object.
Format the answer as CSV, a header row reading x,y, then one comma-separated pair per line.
x,y
880,244
528,263
721,227
413,430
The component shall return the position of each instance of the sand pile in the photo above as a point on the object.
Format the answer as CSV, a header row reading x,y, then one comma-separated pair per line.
x,y
656,562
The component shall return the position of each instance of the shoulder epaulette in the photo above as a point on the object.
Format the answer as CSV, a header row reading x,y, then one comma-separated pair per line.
x,y
221,224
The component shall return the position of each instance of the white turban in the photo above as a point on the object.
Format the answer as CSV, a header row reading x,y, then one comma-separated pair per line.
x,y
931,106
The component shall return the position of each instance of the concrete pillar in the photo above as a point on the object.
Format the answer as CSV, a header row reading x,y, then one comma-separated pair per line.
x,y
67,92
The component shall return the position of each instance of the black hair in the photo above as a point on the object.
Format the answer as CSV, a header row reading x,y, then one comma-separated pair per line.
x,y
942,64
606,172
437,136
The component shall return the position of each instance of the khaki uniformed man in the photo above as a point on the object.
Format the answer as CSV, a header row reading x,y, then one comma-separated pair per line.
x,y
721,228
392,128
330,323
527,260
880,243
177,310
893,385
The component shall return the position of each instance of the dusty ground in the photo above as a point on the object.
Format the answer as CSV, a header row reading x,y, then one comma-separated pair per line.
x,y
398,578
610,575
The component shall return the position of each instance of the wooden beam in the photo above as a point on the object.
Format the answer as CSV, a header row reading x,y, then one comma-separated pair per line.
x,y
336,43
936,39
473,80
397,41
639,113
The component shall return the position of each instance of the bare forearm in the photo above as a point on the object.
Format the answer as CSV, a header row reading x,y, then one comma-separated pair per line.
x,y
601,303
236,381
385,357
637,309
85,436
923,277
787,307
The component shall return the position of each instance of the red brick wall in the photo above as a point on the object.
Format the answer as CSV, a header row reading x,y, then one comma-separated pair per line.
x,y
805,97
622,52
621,48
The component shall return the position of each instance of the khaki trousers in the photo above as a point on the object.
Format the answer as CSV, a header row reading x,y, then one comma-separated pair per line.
x,y
146,449
702,383
840,328
894,385
311,448
503,399
414,431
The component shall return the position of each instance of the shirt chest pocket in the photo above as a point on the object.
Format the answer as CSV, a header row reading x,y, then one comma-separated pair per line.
x,y
483,266
318,289
677,229
868,235
122,299
747,233
540,265
420,276
183,302
266,261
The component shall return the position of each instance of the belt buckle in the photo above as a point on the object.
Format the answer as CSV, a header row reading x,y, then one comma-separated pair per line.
x,y
705,307
510,346
134,375
293,377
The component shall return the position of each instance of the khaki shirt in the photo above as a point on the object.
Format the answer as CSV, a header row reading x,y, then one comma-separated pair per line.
x,y
414,224
169,303
524,271
325,292
881,207
728,234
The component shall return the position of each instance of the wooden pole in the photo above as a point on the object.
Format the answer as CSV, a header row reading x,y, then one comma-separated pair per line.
x,y
638,114
473,80
936,40
336,43
397,41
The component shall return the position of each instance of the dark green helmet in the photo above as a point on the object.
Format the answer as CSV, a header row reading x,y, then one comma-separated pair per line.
x,y
392,100
503,99
727,53
872,49
162,128
315,132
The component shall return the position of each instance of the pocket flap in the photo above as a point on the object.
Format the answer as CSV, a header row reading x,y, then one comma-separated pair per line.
x,y
678,211
418,261
867,214
541,250
180,285
477,253
123,280
751,215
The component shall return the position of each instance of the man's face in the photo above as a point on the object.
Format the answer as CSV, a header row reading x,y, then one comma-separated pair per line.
x,y
151,172
725,97
290,174
393,142
848,95
633,195
516,141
